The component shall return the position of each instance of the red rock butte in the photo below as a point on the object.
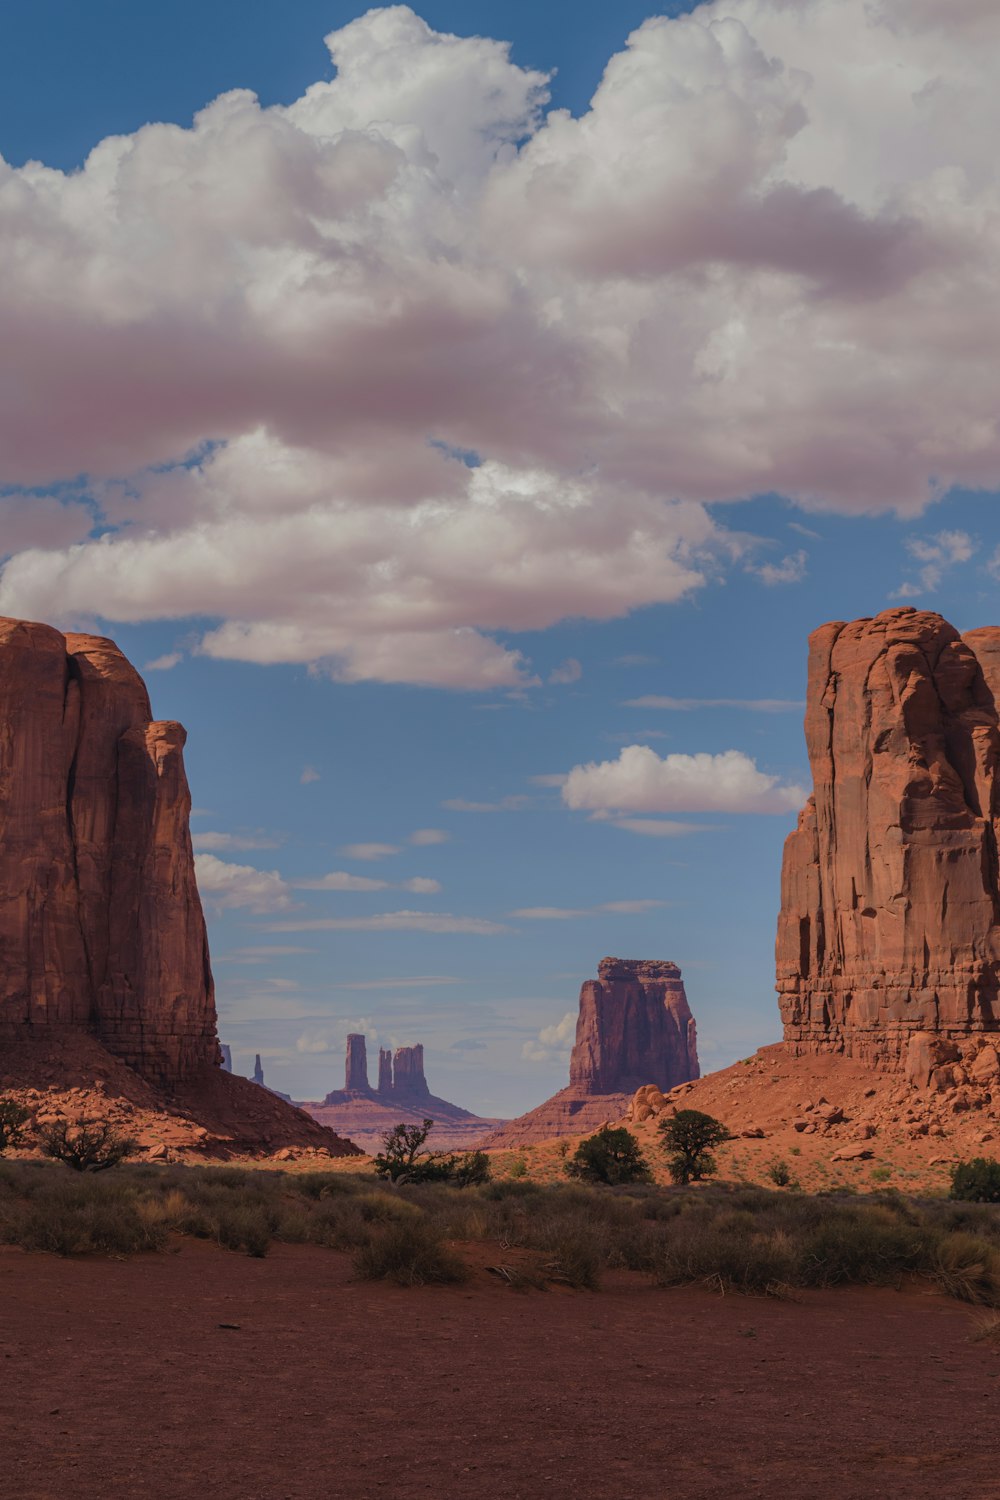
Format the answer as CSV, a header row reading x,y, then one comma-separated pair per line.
x,y
634,1028
889,931
102,936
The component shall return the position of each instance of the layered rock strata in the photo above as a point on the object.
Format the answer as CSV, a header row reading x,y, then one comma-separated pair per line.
x,y
104,964
890,899
634,1028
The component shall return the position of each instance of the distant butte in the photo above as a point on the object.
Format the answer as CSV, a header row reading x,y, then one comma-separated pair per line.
x,y
402,1097
635,1027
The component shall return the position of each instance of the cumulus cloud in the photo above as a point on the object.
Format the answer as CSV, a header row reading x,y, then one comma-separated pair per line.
x,y
552,1042
791,569
640,781
228,887
373,379
394,921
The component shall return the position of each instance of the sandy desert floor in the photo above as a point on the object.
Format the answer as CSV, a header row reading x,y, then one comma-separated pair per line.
x,y
126,1379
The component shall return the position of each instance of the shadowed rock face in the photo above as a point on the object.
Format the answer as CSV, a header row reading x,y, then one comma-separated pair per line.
x,y
101,926
356,1063
890,909
635,1027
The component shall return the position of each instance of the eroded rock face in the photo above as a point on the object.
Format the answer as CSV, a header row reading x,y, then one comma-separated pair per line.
x,y
635,1027
101,926
408,1081
890,912
356,1064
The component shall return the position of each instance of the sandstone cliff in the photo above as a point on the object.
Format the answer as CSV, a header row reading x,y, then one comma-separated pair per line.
x,y
890,901
102,937
634,1027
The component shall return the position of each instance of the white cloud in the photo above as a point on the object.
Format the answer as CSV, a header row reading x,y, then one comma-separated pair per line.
x,y
938,554
259,954
340,880
424,836
369,851
640,781
660,828
791,569
506,804
228,887
567,913
310,1043
569,671
687,705
762,261
553,1042
309,775
164,663
421,885
393,921
228,843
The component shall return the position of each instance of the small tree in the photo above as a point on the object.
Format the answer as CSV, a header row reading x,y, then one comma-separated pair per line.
x,y
471,1170
87,1147
13,1118
976,1181
612,1156
689,1137
403,1159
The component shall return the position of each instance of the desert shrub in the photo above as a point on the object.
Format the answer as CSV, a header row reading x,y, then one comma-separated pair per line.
x,y
245,1228
403,1158
611,1156
518,1168
976,1181
410,1253
472,1170
86,1147
780,1173
968,1268
689,1137
13,1118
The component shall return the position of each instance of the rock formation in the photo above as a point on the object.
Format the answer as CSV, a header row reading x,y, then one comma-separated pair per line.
x,y
402,1097
356,1064
889,933
258,1071
102,936
634,1028
408,1081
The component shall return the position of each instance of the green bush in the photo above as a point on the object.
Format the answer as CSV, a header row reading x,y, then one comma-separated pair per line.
x,y
612,1156
976,1181
689,1137
403,1158
780,1173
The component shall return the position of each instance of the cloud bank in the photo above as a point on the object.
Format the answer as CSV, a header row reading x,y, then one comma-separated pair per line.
x,y
378,378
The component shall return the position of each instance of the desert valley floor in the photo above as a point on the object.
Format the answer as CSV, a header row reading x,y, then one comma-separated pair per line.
x,y
198,1371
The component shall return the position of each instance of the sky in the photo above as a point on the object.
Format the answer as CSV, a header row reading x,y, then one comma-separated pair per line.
x,y
462,415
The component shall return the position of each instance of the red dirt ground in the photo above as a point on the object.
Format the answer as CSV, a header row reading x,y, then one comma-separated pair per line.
x,y
121,1381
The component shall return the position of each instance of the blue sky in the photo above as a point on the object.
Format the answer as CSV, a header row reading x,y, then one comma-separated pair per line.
x,y
236,448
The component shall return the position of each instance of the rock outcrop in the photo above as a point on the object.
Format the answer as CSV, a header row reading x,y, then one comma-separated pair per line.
x,y
103,947
408,1081
634,1028
402,1097
356,1064
890,903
